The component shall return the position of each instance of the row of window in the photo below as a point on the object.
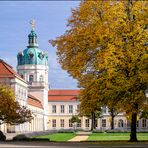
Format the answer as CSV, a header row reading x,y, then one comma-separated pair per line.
x,y
31,78
62,123
62,108
87,123
121,123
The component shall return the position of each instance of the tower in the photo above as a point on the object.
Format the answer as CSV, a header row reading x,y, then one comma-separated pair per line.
x,y
33,67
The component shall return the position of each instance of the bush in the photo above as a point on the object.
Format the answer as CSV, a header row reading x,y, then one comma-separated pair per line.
x,y
142,131
40,133
117,131
2,136
40,139
65,131
21,137
98,131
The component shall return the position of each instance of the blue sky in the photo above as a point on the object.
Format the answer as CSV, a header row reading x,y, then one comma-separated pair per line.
x,y
50,18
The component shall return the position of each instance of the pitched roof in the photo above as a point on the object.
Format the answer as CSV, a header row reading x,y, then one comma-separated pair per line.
x,y
6,71
63,92
33,101
63,95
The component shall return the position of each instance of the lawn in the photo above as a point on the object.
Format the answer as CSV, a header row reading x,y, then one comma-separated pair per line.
x,y
115,136
94,136
58,136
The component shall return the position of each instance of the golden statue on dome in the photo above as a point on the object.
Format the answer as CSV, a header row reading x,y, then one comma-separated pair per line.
x,y
32,22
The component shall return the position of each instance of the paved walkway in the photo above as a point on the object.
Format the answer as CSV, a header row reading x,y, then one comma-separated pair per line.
x,y
79,138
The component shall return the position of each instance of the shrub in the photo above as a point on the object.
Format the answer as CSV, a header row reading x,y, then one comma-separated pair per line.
x,y
65,131
21,137
40,139
117,131
2,136
98,131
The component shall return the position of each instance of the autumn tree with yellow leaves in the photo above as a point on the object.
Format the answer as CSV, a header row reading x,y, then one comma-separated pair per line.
x,y
105,47
10,110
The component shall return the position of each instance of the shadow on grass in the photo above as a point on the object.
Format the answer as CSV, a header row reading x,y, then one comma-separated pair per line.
x,y
23,137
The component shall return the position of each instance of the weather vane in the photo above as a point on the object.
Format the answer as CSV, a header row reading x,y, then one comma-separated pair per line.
x,y
32,22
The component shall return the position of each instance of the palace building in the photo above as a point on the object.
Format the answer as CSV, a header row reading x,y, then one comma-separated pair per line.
x,y
51,109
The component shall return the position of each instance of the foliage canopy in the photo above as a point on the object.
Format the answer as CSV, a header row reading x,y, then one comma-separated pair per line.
x,y
105,49
10,110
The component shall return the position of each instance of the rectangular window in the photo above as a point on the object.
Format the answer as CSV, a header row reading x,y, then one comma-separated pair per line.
x,y
128,124
70,108
62,122
137,123
30,78
70,123
87,123
62,109
79,124
53,123
41,78
104,109
78,108
143,122
19,92
53,108
103,122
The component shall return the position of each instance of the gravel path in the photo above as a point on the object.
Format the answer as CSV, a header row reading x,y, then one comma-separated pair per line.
x,y
79,138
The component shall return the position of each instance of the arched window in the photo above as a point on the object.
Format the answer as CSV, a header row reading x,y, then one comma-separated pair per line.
x,y
30,78
120,123
41,78
143,122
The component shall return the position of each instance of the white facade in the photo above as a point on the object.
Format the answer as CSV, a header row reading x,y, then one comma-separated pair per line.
x,y
37,124
20,88
37,78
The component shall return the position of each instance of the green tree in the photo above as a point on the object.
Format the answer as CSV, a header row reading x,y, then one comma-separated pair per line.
x,y
10,110
89,106
106,44
75,120
113,113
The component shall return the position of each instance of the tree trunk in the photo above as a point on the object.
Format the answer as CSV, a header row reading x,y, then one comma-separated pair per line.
x,y
133,135
112,122
92,121
112,119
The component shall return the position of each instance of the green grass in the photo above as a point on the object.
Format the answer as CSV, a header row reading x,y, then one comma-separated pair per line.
x,y
115,136
94,136
58,136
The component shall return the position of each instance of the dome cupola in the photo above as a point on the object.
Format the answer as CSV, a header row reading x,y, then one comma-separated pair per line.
x,y
32,54
32,39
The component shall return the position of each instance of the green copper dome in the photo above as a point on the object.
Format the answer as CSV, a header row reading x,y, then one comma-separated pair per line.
x,y
32,54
